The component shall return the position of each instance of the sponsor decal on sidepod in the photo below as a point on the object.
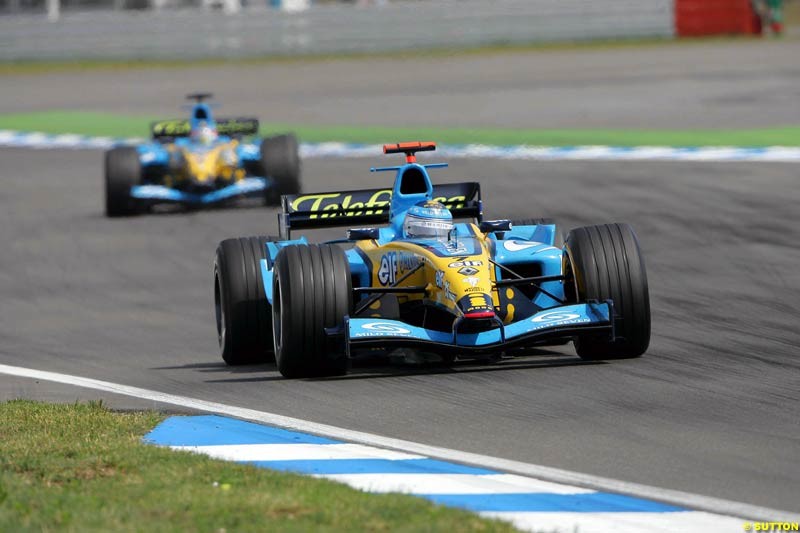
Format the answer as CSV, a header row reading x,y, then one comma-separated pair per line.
x,y
381,329
516,246
394,265
472,281
459,264
558,318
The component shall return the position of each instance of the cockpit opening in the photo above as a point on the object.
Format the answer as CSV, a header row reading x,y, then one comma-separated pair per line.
x,y
413,182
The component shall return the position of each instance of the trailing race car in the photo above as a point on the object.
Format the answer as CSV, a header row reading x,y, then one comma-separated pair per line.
x,y
200,161
476,289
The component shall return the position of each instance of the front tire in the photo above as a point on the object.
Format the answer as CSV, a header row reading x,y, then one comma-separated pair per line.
x,y
312,291
123,171
605,263
280,161
243,313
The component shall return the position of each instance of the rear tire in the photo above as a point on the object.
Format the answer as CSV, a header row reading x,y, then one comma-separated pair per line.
x,y
280,161
123,171
312,291
605,263
243,313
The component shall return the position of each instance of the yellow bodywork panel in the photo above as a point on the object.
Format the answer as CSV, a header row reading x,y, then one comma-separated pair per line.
x,y
218,162
447,279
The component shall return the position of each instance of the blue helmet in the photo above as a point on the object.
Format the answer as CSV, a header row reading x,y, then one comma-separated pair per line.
x,y
428,220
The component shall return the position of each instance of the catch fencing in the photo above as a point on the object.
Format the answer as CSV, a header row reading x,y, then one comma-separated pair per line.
x,y
325,29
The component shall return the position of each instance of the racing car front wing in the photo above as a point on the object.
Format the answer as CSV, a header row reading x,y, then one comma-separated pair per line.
x,y
159,193
552,323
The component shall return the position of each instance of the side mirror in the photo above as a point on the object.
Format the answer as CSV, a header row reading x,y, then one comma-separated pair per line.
x,y
491,226
363,234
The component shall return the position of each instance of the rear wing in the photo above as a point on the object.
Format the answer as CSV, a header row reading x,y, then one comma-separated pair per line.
x,y
230,127
368,206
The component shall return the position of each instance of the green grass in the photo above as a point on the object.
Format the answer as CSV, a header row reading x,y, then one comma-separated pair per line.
x,y
92,123
83,468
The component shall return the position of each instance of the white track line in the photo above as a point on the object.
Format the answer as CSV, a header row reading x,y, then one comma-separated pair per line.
x,y
619,522
451,483
555,475
295,452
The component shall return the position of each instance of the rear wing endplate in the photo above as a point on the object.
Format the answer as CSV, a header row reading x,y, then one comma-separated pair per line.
x,y
230,127
368,206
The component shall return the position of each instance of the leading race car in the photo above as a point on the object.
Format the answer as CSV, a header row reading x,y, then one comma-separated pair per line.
x,y
200,161
476,289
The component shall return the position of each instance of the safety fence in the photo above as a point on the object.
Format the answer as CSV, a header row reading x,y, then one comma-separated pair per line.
x,y
326,28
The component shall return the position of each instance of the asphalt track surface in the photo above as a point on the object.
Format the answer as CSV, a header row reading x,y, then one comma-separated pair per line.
x,y
711,408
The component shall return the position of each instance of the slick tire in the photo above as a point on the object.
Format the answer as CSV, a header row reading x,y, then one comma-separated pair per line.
x,y
122,171
605,263
243,313
280,160
312,291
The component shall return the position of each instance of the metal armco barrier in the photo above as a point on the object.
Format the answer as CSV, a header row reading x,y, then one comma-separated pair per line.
x,y
186,34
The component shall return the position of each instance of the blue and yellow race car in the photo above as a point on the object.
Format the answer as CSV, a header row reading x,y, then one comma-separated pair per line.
x,y
474,289
199,162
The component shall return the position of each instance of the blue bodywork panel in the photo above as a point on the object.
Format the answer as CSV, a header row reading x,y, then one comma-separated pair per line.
x,y
513,251
245,187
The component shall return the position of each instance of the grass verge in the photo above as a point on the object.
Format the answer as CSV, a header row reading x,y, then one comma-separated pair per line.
x,y
92,123
82,468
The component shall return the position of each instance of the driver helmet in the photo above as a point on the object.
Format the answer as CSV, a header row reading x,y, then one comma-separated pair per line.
x,y
204,134
428,220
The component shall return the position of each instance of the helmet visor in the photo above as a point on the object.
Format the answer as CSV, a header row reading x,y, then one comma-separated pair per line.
x,y
422,228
